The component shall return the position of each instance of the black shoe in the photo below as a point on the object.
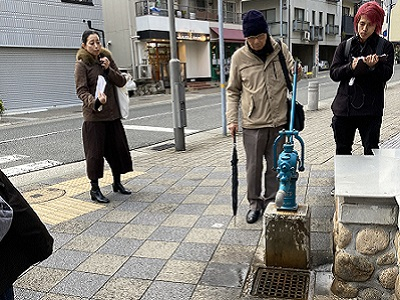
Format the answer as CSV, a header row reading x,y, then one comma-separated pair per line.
x,y
252,216
333,192
96,195
118,187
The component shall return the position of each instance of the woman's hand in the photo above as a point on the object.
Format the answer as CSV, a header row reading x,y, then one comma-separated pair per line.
x,y
105,62
102,98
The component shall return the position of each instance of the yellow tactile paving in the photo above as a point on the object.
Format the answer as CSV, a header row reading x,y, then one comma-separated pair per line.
x,y
63,209
55,204
80,185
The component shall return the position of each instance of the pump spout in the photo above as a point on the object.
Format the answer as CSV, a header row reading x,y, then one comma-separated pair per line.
x,y
280,196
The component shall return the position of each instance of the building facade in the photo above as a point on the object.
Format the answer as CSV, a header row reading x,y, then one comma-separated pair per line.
x,y
312,29
146,32
39,39
38,43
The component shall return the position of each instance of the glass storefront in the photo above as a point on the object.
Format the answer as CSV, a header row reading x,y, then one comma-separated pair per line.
x,y
159,55
230,48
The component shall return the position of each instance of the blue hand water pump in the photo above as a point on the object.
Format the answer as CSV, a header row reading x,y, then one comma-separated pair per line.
x,y
289,161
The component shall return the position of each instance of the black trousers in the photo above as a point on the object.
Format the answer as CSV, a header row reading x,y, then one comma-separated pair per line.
x,y
105,139
344,130
8,294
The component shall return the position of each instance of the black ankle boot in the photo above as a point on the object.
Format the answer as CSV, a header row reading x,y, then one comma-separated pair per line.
x,y
118,187
96,195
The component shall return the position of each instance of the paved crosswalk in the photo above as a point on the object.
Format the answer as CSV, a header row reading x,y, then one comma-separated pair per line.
x,y
25,167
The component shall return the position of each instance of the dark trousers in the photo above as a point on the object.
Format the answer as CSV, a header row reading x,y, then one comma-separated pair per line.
x,y
344,130
8,294
258,145
105,140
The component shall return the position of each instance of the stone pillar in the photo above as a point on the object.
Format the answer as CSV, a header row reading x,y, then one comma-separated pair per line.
x,y
287,237
365,258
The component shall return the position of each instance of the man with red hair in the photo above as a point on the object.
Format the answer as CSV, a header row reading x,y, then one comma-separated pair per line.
x,y
362,70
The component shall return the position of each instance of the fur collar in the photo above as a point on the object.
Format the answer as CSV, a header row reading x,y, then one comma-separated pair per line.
x,y
88,59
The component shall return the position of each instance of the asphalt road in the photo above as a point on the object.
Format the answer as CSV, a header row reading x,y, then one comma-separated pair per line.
x,y
41,139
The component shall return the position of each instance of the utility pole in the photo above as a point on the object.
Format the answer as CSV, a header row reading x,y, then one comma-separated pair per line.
x,y
389,12
281,19
177,88
222,64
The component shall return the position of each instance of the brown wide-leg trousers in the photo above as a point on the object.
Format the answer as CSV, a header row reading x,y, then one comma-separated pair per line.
x,y
105,139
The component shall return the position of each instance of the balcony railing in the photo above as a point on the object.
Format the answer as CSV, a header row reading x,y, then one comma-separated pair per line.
x,y
331,29
317,33
301,25
145,7
275,28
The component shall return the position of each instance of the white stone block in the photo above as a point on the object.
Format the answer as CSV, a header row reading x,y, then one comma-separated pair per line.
x,y
368,214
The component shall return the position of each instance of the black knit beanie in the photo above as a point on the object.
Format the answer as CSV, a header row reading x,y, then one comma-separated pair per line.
x,y
254,23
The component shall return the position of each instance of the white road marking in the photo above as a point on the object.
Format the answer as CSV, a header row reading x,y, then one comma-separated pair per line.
x,y
36,136
159,129
9,158
35,166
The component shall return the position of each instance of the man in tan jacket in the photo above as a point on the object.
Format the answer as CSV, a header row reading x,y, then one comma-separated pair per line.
x,y
257,83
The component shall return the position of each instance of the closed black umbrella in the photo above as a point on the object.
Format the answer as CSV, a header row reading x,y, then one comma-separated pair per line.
x,y
235,181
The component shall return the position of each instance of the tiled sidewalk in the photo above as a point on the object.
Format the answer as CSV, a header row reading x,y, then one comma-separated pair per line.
x,y
175,237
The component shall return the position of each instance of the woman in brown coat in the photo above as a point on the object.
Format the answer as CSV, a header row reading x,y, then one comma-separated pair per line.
x,y
102,131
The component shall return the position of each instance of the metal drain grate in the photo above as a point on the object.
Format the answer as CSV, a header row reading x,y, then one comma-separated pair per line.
x,y
163,147
281,284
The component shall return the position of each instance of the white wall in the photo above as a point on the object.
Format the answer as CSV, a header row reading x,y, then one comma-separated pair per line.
x,y
198,60
150,22
116,24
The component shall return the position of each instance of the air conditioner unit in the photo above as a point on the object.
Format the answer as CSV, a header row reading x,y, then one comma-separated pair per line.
x,y
306,35
144,71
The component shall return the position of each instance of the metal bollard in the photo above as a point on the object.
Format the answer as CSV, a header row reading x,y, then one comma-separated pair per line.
x,y
313,95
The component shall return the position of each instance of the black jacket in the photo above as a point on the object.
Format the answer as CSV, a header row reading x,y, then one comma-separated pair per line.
x,y
27,241
366,96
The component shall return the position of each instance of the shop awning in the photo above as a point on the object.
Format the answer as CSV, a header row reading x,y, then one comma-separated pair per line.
x,y
230,35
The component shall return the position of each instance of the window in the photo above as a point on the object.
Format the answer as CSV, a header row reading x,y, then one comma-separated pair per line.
x,y
313,17
321,14
330,19
270,15
201,3
346,11
83,2
299,14
230,15
229,6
